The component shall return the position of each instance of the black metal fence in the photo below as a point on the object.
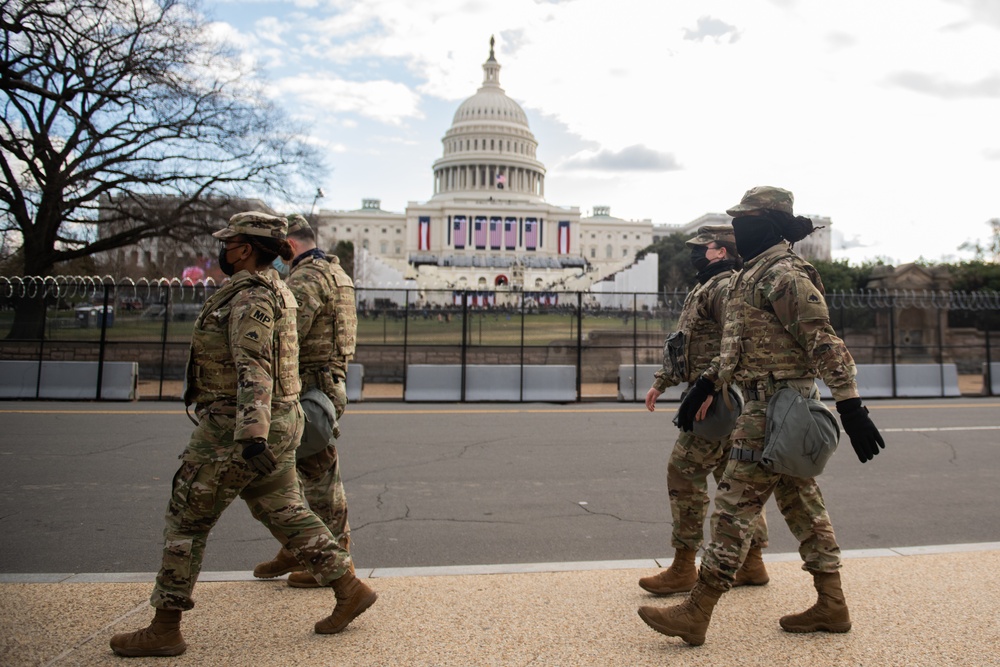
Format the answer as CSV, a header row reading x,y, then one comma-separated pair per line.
x,y
99,320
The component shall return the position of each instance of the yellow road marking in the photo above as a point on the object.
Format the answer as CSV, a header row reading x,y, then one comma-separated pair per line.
x,y
359,411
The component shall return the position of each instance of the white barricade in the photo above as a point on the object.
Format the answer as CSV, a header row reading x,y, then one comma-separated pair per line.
x,y
355,382
431,382
912,381
69,380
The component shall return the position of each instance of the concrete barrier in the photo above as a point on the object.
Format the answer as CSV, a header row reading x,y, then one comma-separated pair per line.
x,y
502,382
635,381
355,382
433,382
69,380
874,381
912,381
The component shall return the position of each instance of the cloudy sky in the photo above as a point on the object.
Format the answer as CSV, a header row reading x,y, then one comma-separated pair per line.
x,y
883,116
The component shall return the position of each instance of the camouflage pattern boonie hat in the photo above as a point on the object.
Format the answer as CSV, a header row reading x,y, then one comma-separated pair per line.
x,y
296,223
254,223
763,197
713,234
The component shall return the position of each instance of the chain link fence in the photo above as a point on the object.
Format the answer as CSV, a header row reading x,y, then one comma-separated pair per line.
x,y
98,320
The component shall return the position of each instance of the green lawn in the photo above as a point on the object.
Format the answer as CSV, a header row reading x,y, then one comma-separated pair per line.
x,y
484,328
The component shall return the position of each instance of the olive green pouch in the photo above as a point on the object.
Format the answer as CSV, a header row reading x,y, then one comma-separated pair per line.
x,y
800,436
321,423
720,420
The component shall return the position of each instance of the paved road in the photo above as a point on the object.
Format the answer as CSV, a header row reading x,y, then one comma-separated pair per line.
x,y
83,486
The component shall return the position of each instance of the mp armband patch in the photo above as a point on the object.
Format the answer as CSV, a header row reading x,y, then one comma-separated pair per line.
x,y
261,317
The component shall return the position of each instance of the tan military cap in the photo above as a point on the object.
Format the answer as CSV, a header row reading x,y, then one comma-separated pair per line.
x,y
713,233
296,222
764,197
254,223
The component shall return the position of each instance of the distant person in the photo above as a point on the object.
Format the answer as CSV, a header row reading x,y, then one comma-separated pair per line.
x,y
776,341
687,352
242,378
327,324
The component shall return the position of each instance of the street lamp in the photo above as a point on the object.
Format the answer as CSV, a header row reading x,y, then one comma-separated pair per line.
x,y
319,195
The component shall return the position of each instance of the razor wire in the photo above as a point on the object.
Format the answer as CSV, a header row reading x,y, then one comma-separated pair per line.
x,y
150,290
90,287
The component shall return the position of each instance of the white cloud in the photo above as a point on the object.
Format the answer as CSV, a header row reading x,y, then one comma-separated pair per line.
x,y
886,125
631,158
384,101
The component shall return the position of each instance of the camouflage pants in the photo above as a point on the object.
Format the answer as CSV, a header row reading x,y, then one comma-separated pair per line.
x,y
692,460
212,475
322,486
739,503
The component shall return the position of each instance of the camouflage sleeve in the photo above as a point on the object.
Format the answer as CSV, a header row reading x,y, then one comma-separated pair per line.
x,y
800,307
715,309
251,324
662,380
307,295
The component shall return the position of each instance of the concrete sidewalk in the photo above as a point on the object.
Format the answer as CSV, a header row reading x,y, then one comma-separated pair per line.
x,y
910,606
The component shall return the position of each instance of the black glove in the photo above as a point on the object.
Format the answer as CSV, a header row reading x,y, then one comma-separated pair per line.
x,y
691,402
860,429
259,456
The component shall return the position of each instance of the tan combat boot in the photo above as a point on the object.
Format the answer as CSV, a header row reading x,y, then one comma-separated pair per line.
x,y
688,620
752,572
680,577
283,563
353,598
303,580
162,637
829,614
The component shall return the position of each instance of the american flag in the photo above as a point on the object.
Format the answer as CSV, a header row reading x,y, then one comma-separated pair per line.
x,y
424,234
510,233
458,231
501,179
479,229
530,233
496,233
564,237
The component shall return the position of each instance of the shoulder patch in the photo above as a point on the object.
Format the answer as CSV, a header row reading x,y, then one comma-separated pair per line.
x,y
812,298
253,335
261,317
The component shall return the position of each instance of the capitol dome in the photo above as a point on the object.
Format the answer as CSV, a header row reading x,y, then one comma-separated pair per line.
x,y
489,149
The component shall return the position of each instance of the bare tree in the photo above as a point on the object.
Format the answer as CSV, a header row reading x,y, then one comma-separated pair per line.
x,y
111,108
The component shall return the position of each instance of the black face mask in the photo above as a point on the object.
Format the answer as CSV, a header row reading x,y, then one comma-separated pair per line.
x,y
755,234
225,265
698,257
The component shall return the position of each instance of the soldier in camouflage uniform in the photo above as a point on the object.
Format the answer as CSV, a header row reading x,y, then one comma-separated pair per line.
x,y
242,378
713,253
777,334
327,325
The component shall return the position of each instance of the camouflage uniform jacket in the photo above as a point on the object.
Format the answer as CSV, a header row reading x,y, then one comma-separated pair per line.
x,y
701,322
327,319
778,328
244,353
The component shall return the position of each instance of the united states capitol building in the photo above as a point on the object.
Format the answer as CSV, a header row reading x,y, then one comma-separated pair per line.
x,y
487,228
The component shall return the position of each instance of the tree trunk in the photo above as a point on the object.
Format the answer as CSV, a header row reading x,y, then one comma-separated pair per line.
x,y
29,319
